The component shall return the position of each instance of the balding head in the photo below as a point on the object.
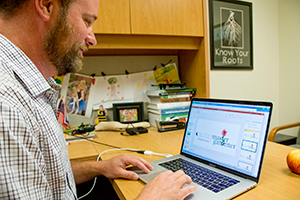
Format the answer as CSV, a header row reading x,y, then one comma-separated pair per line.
x,y
9,8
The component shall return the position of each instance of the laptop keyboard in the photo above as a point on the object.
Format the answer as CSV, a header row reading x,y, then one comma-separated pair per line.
x,y
209,179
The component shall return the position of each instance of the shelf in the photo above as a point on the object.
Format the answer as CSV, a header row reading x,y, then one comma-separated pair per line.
x,y
123,41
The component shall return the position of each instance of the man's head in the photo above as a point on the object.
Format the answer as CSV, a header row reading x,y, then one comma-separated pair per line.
x,y
63,46
68,31
9,8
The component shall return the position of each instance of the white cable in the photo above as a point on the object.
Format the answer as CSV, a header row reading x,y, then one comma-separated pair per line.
x,y
159,154
95,179
146,152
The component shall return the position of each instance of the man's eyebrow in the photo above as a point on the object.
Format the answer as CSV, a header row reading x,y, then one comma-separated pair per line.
x,y
95,17
92,16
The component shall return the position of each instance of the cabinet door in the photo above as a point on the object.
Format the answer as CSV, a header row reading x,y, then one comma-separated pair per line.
x,y
167,17
113,17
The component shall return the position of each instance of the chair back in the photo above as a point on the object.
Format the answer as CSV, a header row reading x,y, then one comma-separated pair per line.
x,y
298,137
297,145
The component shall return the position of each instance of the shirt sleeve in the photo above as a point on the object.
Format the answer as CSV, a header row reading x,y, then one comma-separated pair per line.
x,y
21,161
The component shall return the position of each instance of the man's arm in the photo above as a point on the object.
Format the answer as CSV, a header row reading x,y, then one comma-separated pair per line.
x,y
112,168
166,185
84,171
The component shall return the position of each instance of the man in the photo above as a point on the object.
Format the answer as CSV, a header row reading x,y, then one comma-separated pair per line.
x,y
40,39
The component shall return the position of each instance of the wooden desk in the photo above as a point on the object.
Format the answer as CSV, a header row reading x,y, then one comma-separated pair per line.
x,y
276,181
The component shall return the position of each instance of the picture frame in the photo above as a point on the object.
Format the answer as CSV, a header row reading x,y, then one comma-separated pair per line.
x,y
231,43
128,112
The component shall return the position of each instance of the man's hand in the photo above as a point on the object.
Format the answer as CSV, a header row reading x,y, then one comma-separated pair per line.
x,y
168,186
116,167
112,168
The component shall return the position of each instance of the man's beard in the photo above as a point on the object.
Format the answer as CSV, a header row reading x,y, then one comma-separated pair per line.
x,y
58,39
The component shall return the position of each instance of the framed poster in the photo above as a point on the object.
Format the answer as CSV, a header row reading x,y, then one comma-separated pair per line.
x,y
231,45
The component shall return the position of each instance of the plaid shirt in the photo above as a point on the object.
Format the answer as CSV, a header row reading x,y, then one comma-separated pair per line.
x,y
34,161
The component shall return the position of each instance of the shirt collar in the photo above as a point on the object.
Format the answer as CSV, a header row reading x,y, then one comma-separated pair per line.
x,y
25,68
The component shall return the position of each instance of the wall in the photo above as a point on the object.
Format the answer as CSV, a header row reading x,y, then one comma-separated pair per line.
x,y
276,71
262,83
289,70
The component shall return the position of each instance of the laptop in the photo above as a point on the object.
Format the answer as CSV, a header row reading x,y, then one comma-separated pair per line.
x,y
222,148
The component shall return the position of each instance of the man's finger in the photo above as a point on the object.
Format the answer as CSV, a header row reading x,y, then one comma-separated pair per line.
x,y
188,190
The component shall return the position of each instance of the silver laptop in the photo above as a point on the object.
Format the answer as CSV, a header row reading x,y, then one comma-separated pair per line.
x,y
222,149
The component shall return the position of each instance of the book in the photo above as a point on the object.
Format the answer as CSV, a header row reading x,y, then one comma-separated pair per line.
x,y
173,90
174,96
157,106
153,116
168,100
175,99
163,93
169,91
79,137
162,96
165,114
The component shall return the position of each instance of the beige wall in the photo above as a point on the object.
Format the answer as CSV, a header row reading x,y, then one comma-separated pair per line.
x,y
276,62
289,62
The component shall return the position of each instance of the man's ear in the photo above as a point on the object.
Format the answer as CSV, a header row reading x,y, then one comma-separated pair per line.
x,y
44,8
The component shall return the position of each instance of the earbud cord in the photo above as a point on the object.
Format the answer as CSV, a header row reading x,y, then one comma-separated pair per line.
x,y
146,152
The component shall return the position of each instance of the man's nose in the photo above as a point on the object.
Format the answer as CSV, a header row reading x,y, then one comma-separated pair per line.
x,y
91,39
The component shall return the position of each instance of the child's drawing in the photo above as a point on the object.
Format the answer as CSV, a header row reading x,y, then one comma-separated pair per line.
x,y
122,88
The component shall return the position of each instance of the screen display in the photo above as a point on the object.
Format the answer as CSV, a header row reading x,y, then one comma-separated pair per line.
x,y
230,135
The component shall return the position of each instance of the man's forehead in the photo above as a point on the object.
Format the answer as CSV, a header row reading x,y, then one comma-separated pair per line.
x,y
87,7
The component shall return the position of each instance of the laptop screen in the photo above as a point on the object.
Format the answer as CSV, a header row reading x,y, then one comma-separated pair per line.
x,y
228,133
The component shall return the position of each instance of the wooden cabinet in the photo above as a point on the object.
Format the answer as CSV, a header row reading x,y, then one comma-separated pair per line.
x,y
157,27
113,17
167,17
153,17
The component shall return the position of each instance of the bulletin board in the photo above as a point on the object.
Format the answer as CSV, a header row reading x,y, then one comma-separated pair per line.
x,y
122,88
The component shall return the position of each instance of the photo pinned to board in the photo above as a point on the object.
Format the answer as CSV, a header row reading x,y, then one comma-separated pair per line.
x,y
76,91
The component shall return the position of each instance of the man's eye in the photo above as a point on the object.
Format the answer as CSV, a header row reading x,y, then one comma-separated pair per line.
x,y
88,23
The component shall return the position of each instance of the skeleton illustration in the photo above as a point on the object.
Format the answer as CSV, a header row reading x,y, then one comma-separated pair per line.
x,y
232,31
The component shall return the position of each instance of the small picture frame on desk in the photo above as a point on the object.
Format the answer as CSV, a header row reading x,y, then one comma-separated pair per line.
x,y
131,112
231,45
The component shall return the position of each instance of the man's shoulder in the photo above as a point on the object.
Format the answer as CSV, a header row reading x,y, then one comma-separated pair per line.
x,y
5,68
7,75
10,88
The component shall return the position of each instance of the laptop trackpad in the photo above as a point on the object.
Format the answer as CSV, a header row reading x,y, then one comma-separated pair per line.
x,y
148,177
143,176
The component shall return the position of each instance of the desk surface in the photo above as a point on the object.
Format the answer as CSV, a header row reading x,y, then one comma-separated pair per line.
x,y
276,181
